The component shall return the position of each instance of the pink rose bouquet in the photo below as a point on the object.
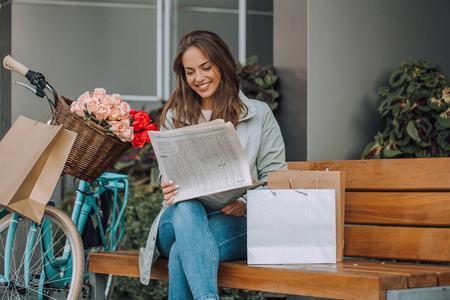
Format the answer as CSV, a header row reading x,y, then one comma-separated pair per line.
x,y
115,116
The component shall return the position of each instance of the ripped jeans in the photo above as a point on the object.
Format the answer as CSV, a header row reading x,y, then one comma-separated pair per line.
x,y
195,242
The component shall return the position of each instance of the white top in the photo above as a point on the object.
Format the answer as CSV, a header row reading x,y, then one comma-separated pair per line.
x,y
207,114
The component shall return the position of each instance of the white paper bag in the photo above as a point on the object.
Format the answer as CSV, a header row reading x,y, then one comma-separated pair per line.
x,y
291,226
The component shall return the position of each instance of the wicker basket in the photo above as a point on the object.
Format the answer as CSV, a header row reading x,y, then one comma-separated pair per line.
x,y
93,151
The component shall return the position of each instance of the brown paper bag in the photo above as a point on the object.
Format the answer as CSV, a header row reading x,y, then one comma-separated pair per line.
x,y
298,179
32,156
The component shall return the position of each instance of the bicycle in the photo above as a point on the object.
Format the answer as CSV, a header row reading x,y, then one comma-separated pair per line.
x,y
52,264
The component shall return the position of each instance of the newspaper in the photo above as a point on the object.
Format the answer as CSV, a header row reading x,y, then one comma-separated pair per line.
x,y
206,160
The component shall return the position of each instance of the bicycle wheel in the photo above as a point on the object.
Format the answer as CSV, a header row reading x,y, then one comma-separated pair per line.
x,y
46,260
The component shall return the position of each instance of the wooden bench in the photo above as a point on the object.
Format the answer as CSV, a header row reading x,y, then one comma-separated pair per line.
x,y
397,235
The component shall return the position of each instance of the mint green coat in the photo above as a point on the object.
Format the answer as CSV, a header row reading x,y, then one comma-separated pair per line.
x,y
263,143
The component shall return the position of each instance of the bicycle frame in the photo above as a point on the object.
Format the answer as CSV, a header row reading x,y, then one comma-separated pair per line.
x,y
85,202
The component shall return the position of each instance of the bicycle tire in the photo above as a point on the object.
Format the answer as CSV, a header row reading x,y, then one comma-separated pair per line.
x,y
59,227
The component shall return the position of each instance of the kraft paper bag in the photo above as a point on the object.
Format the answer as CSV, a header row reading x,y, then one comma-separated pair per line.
x,y
299,179
291,226
32,156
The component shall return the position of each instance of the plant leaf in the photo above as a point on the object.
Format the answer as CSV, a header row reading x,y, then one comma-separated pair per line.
x,y
252,60
444,123
270,79
443,139
397,78
412,131
391,152
260,82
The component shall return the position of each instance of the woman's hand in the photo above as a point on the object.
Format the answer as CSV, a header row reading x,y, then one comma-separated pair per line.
x,y
169,190
236,208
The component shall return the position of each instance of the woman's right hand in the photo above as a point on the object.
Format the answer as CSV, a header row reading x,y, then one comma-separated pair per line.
x,y
169,189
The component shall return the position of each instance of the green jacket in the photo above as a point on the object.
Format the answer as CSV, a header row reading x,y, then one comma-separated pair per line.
x,y
261,138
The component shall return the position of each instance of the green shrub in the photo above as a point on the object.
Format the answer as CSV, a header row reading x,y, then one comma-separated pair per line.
x,y
416,111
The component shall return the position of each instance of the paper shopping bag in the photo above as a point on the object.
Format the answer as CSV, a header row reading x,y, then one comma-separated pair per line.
x,y
299,179
32,156
291,226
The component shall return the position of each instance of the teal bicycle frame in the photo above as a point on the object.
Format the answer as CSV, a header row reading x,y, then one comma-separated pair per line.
x,y
85,202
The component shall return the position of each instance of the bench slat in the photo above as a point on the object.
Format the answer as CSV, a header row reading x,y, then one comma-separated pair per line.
x,y
292,279
442,271
417,209
425,174
120,263
421,244
417,278
327,283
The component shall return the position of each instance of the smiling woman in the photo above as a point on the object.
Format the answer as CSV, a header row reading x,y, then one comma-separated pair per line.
x,y
201,75
194,238
204,58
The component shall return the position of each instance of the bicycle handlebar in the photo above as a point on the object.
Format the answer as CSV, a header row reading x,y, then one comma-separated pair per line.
x,y
13,65
35,78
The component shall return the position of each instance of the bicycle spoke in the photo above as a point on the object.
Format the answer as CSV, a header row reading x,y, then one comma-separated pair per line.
x,y
52,249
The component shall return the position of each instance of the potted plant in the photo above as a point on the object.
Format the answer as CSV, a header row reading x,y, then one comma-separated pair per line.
x,y
416,111
258,82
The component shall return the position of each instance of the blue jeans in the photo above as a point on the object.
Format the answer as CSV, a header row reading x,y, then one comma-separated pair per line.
x,y
195,243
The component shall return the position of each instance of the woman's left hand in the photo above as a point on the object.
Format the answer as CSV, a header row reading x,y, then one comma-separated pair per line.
x,y
236,208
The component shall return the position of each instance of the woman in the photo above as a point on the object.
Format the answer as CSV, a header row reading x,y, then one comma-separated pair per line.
x,y
194,239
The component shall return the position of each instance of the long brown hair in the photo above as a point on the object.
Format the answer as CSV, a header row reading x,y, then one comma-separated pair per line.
x,y
185,102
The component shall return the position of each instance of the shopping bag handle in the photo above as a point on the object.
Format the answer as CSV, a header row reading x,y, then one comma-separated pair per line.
x,y
291,183
300,191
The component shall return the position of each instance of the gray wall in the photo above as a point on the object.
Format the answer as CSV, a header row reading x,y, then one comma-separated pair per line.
x,y
79,48
81,45
352,48
290,61
5,76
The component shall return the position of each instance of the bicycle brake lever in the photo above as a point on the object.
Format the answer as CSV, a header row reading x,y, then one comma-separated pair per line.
x,y
37,91
31,89
38,80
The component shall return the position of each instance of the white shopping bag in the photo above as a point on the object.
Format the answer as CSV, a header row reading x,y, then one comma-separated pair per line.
x,y
291,226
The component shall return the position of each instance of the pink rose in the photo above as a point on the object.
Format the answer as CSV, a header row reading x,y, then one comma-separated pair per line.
x,y
116,126
117,99
126,135
102,111
99,93
83,97
108,100
125,106
126,121
91,104
116,113
77,109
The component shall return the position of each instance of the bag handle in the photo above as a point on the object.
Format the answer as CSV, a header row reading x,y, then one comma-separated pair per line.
x,y
45,117
291,184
